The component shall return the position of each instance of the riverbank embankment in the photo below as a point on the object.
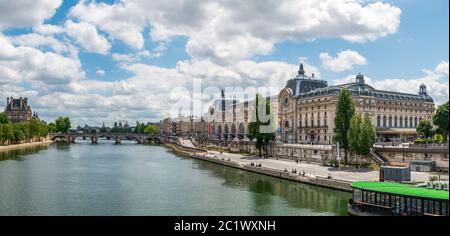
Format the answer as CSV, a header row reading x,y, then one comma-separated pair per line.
x,y
24,145
297,177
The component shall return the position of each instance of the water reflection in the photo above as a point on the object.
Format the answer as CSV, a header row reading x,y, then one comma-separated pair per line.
x,y
297,195
16,154
109,179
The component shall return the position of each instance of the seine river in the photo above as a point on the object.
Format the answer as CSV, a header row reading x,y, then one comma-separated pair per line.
x,y
131,179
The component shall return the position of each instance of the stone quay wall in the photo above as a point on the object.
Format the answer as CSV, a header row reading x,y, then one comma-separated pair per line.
x,y
321,154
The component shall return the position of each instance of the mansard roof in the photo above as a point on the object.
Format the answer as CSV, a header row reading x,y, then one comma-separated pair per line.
x,y
363,89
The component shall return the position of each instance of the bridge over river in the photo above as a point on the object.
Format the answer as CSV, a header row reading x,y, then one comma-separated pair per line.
x,y
117,137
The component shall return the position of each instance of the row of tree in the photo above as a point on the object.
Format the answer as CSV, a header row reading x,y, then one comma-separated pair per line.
x,y
141,128
32,131
354,132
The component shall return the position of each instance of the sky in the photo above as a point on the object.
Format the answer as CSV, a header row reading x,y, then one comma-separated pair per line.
x,y
133,60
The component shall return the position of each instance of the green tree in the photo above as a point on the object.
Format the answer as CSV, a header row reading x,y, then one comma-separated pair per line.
x,y
51,128
19,136
361,135
262,128
2,136
151,129
103,129
425,129
368,136
440,119
354,134
34,128
62,124
3,118
345,110
140,128
8,133
43,130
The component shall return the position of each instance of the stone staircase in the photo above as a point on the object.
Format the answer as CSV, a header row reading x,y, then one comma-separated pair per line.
x,y
378,158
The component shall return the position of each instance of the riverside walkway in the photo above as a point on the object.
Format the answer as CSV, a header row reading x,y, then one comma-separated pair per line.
x,y
346,174
315,174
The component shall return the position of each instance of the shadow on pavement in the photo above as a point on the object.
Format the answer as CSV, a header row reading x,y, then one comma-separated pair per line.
x,y
351,169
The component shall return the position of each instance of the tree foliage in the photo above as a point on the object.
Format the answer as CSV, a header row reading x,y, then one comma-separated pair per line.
x,y
440,119
3,118
140,128
31,131
151,129
345,110
425,129
62,124
262,127
51,128
361,135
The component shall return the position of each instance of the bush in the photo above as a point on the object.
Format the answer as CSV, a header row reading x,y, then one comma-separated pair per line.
x,y
374,166
433,178
423,140
438,138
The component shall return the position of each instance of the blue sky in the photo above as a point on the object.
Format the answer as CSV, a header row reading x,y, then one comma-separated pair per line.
x,y
421,42
112,60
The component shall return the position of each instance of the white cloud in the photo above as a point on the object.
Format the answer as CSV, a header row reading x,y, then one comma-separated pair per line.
x,y
345,60
46,69
442,68
37,40
100,72
122,20
134,57
87,35
26,12
48,29
222,38
229,31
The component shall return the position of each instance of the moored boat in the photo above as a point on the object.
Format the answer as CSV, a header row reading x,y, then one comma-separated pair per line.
x,y
397,199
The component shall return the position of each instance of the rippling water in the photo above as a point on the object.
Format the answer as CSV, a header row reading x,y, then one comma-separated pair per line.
x,y
131,179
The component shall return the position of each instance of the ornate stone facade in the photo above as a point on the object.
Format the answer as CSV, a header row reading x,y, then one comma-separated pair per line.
x,y
307,108
18,110
229,118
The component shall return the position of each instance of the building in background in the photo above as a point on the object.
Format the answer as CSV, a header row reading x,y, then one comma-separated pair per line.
x,y
307,109
229,118
18,110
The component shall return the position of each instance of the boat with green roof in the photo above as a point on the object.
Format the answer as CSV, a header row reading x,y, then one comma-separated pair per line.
x,y
398,199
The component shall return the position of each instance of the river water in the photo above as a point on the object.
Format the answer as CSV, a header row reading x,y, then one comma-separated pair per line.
x,y
132,179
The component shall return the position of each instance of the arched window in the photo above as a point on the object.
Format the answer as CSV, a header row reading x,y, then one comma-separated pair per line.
x,y
401,121
378,121
285,130
395,122
390,121
411,122
384,121
415,121
318,119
